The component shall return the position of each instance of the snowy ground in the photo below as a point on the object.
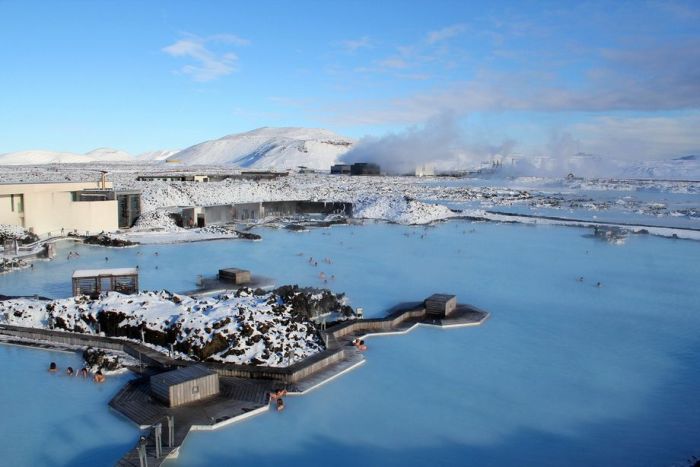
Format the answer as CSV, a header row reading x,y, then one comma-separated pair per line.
x,y
236,327
406,200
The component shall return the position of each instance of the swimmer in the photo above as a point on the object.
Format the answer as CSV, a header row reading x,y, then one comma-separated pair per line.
x,y
359,344
280,404
52,367
99,377
69,371
106,258
278,394
599,284
580,279
83,372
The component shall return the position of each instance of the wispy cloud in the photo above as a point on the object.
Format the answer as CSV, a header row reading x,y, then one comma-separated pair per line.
x,y
209,64
446,33
393,63
353,45
426,56
664,77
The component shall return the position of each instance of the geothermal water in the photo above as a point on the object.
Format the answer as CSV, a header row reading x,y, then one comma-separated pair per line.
x,y
563,373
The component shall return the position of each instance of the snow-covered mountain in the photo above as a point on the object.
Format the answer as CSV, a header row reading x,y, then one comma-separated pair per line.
x,y
596,166
55,157
270,148
680,168
156,156
109,155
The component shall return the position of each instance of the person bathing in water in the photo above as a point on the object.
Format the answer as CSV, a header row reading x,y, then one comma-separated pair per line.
x,y
278,394
69,371
52,367
359,344
99,377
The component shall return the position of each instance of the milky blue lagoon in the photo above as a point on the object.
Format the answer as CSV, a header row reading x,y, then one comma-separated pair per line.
x,y
563,372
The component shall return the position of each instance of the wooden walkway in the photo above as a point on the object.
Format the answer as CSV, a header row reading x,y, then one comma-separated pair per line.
x,y
238,397
244,388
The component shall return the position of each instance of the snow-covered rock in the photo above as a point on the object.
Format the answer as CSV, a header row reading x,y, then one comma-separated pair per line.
x,y
270,148
400,209
245,327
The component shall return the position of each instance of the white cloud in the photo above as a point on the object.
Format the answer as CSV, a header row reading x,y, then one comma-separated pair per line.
x,y
208,63
352,45
444,34
393,63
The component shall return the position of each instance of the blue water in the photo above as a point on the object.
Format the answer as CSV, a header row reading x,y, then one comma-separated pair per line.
x,y
52,419
564,373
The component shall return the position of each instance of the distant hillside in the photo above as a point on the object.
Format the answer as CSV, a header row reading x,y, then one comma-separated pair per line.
x,y
680,168
55,157
270,148
155,156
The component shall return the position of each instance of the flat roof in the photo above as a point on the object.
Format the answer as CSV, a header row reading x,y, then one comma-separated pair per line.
x,y
440,297
80,273
181,375
96,182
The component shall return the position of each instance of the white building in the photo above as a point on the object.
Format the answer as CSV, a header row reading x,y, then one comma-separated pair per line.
x,y
50,207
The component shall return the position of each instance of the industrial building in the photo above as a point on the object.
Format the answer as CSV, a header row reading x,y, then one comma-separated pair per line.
x,y
201,216
364,168
358,168
341,169
44,208
215,177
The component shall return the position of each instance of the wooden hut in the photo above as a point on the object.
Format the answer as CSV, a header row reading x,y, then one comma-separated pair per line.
x,y
185,385
94,281
440,305
234,275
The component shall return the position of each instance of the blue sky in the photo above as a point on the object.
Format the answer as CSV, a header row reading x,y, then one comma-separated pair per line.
x,y
614,78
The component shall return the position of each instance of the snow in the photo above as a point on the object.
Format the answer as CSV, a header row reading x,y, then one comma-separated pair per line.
x,y
663,203
400,209
55,157
104,272
683,168
256,329
270,148
12,231
108,155
156,156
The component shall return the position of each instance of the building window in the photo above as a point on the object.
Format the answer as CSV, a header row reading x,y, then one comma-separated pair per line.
x,y
17,203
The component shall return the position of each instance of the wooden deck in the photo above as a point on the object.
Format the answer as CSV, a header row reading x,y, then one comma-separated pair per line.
x,y
244,389
238,397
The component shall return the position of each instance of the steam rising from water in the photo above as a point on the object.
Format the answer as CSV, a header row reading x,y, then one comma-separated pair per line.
x,y
439,143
